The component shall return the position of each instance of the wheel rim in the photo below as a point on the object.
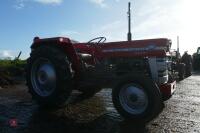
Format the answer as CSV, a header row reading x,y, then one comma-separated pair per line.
x,y
133,99
43,77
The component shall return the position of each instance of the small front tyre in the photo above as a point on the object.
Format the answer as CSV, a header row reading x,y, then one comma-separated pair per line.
x,y
138,100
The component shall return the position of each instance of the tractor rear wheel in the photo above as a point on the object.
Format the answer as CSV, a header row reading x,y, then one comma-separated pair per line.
x,y
137,99
48,76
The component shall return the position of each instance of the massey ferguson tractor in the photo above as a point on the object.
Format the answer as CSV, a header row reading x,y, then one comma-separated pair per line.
x,y
137,71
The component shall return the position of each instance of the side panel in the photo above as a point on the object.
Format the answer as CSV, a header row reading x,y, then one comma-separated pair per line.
x,y
138,48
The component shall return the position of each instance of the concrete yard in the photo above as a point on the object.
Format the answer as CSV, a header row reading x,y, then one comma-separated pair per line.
x,y
97,114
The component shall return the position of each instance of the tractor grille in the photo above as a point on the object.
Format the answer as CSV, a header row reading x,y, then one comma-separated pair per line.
x,y
162,67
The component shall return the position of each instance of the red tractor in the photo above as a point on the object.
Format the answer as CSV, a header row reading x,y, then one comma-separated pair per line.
x,y
137,71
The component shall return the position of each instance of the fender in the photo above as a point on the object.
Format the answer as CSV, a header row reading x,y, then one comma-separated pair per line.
x,y
62,43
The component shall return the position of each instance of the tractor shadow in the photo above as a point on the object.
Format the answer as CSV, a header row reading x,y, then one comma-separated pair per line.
x,y
88,116
82,115
45,122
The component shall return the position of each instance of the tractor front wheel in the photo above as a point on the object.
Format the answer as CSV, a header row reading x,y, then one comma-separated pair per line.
x,y
48,76
137,100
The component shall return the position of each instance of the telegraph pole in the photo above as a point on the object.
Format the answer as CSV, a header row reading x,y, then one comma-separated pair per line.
x,y
129,35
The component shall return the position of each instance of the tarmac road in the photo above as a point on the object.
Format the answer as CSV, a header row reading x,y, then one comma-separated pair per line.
x,y
18,113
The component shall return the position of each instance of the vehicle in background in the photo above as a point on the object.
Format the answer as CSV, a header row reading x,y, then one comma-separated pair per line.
x,y
196,60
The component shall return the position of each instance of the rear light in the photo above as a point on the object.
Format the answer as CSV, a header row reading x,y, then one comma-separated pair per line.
x,y
61,39
64,40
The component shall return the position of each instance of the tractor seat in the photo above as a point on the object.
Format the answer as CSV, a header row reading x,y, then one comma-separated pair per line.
x,y
84,56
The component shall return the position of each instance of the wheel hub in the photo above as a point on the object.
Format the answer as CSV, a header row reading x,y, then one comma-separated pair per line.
x,y
43,77
133,99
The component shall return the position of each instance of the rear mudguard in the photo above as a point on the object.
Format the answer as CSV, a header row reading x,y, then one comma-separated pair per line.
x,y
65,45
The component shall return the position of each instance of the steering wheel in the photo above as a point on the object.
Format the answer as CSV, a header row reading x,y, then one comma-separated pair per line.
x,y
98,40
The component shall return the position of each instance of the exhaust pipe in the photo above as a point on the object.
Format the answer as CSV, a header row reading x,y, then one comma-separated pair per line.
x,y
129,35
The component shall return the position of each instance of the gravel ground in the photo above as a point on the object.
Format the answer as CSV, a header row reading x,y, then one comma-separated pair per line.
x,y
18,113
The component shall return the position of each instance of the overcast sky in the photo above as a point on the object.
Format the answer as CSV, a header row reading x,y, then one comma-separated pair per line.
x,y
82,20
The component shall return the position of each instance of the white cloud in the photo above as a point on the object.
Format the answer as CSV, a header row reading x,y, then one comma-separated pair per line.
x,y
19,6
155,19
49,1
99,2
6,54
21,3
169,18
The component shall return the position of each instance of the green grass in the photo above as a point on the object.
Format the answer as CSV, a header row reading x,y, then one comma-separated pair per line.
x,y
12,67
12,63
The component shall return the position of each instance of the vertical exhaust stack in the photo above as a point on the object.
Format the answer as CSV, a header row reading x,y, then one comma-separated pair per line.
x,y
129,35
178,44
178,52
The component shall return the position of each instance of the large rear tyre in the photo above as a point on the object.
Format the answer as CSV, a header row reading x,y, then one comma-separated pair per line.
x,y
137,99
48,76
